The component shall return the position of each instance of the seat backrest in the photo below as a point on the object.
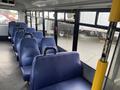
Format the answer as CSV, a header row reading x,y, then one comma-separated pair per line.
x,y
51,69
19,36
11,26
38,36
28,50
16,36
48,42
19,26
30,30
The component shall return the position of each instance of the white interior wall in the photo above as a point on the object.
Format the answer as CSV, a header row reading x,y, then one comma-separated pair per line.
x,y
3,30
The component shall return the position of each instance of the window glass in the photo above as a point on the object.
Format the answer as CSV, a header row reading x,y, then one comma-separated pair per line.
x,y
118,25
60,16
39,21
46,14
87,17
37,14
8,15
33,14
49,27
51,15
69,16
41,14
65,35
33,19
90,44
28,13
28,19
103,19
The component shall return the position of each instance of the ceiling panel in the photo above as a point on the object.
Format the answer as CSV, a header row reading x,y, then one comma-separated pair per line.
x,y
60,4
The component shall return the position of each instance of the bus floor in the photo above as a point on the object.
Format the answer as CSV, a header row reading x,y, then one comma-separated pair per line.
x,y
10,74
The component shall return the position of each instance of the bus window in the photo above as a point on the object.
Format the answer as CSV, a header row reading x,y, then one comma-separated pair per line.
x,y
118,25
51,15
90,44
49,27
69,16
8,15
65,35
103,19
33,19
39,21
40,15
45,14
28,18
87,17
60,16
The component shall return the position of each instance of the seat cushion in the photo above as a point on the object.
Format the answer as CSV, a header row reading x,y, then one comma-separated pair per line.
x,y
74,84
26,71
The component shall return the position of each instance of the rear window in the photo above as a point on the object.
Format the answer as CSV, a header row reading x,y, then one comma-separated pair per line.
x,y
8,15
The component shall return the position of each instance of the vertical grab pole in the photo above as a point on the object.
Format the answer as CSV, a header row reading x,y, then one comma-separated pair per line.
x,y
102,63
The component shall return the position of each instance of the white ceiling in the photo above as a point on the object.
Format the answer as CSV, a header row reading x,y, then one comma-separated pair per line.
x,y
59,4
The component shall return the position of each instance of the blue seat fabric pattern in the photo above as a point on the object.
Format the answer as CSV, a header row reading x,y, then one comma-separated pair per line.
x,y
38,36
12,25
73,84
30,30
26,71
48,42
53,69
28,50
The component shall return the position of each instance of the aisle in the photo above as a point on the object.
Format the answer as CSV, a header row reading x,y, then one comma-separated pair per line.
x,y
10,75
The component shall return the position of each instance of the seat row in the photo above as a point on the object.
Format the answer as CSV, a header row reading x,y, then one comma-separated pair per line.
x,y
27,44
42,65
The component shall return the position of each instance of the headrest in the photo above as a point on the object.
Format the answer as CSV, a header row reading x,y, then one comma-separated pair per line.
x,y
28,35
48,45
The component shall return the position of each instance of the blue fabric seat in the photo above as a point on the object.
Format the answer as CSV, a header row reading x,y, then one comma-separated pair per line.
x,y
28,51
18,26
16,36
62,71
73,84
26,71
48,45
11,26
19,36
30,30
38,36
22,39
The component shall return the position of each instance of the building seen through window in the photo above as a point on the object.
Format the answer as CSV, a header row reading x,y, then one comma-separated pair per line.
x,y
7,15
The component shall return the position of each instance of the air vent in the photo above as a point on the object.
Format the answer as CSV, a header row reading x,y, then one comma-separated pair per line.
x,y
7,2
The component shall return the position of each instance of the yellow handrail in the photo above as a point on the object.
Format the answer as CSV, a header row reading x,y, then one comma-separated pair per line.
x,y
102,63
